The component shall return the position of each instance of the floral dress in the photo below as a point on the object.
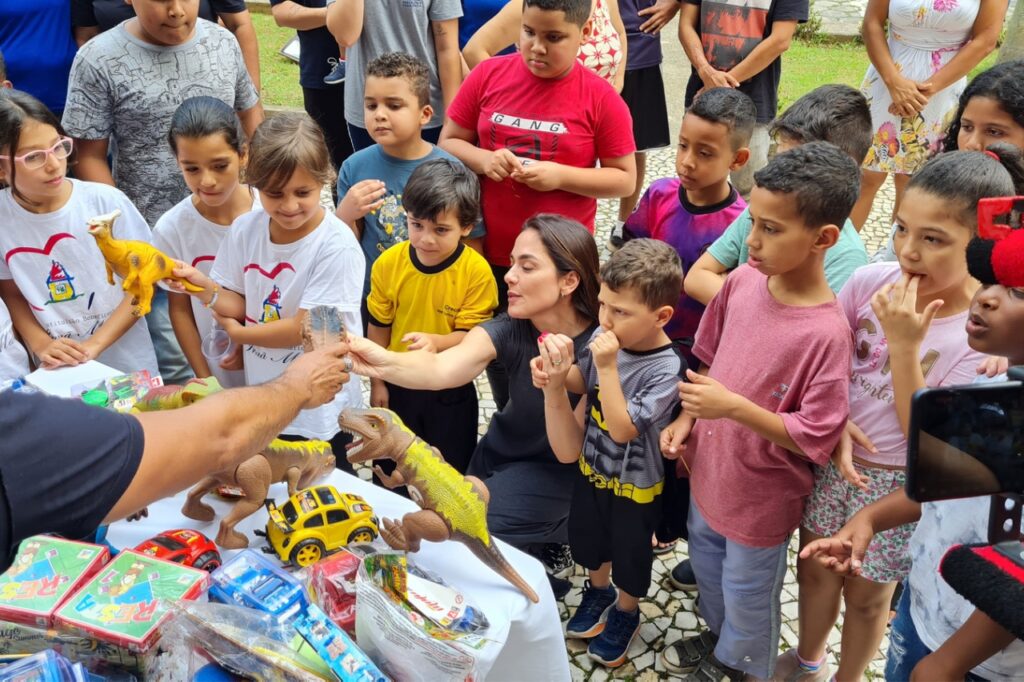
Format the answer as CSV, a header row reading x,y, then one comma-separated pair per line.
x,y
602,52
923,36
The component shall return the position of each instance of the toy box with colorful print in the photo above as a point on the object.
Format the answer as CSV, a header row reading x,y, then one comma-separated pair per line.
x,y
46,571
333,585
46,666
345,659
126,602
251,580
99,657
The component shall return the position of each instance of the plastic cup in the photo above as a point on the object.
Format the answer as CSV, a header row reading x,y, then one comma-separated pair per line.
x,y
217,345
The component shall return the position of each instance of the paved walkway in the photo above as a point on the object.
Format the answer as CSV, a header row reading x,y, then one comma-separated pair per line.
x,y
842,18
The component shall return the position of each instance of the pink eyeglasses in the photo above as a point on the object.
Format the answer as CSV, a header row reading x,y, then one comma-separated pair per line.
x,y
37,159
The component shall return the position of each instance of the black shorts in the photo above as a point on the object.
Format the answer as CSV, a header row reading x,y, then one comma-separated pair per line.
x,y
644,93
605,527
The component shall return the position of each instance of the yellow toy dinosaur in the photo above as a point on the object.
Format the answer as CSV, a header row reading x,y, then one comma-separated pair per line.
x,y
138,264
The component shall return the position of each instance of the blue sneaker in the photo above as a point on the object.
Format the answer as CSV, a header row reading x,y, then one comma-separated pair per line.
x,y
588,621
610,647
337,74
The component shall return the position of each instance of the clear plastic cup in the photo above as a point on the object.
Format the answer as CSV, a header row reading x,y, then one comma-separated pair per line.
x,y
217,345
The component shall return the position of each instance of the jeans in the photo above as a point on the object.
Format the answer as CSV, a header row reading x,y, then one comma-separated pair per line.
x,y
361,136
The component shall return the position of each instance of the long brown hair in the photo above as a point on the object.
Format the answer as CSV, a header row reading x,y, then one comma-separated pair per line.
x,y
572,249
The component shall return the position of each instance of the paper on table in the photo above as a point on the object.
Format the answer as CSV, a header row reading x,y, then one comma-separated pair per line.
x,y
59,381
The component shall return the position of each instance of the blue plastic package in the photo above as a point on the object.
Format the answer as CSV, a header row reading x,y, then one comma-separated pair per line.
x,y
346,660
251,580
45,666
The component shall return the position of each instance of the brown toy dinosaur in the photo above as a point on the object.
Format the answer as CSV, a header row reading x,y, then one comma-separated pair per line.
x,y
300,464
453,506
138,264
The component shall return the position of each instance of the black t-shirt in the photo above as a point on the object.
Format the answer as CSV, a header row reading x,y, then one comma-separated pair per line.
x,y
109,13
730,30
316,46
63,466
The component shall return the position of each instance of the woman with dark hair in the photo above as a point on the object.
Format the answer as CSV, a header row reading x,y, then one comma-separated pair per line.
x,y
991,110
552,287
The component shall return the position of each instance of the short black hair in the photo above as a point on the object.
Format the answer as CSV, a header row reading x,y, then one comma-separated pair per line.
x,y
831,113
400,65
730,107
443,185
576,11
822,178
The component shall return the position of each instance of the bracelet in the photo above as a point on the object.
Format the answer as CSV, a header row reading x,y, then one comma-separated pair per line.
x,y
213,299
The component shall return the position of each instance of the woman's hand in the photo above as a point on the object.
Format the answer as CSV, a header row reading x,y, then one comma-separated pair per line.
x,y
842,456
368,359
907,98
895,305
557,354
658,14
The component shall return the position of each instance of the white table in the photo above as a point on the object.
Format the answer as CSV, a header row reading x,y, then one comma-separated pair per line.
x,y
534,644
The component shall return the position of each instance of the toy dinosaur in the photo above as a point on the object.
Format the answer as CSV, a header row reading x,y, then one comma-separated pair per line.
x,y
139,265
171,397
300,464
453,506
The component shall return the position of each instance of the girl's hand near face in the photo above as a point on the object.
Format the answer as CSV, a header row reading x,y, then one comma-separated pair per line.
x,y
895,305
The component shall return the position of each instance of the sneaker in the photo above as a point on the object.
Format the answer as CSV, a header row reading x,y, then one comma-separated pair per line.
x,y
559,586
713,670
615,240
610,647
788,669
682,577
591,614
685,656
337,74
557,560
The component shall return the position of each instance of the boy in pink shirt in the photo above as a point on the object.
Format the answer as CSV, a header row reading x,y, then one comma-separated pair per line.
x,y
752,423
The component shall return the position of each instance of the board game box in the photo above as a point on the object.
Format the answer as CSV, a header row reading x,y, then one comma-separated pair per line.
x,y
46,571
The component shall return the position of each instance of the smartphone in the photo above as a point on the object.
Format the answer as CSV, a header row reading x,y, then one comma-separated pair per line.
x,y
966,441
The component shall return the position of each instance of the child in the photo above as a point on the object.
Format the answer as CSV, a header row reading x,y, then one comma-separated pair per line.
x,y
53,276
283,259
629,372
426,294
937,634
834,113
397,106
691,211
426,29
535,125
763,419
210,144
908,319
13,359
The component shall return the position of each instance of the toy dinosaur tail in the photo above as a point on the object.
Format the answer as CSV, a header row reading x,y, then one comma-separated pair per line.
x,y
496,561
189,286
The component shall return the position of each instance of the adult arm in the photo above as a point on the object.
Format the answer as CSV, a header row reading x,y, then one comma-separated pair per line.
x,y
983,39
705,278
564,425
290,14
183,322
501,31
422,369
658,14
345,21
449,60
689,17
226,428
92,163
766,52
240,23
251,118
906,98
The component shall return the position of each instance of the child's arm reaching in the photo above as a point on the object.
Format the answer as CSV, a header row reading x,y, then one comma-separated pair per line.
x,y
120,321
434,343
223,302
378,389
705,278
283,333
179,308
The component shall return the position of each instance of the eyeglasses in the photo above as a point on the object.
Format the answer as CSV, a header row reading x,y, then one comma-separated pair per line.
x,y
37,158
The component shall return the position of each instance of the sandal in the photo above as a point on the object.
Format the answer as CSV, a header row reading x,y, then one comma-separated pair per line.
x,y
664,547
686,655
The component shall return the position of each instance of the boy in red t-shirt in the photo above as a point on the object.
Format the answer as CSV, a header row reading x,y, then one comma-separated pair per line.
x,y
535,124
764,416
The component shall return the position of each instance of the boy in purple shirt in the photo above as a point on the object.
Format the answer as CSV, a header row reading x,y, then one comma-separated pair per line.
x,y
765,417
691,211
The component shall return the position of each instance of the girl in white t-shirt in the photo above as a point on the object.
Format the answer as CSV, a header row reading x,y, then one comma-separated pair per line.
x,y
13,359
283,259
52,274
210,146
908,322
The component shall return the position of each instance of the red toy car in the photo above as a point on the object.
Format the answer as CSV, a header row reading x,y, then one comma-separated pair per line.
x,y
188,547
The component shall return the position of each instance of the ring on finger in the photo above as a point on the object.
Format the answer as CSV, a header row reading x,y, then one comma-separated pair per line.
x,y
347,362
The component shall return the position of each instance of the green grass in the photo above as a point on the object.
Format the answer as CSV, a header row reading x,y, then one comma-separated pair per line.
x,y
805,66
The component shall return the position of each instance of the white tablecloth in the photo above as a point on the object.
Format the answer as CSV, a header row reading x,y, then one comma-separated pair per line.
x,y
534,644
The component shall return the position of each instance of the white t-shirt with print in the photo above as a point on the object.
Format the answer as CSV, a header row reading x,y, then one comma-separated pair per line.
x,y
60,270
13,358
184,234
277,280
935,607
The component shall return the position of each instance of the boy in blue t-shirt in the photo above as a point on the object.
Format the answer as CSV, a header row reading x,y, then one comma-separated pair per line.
x,y
629,373
396,106
831,113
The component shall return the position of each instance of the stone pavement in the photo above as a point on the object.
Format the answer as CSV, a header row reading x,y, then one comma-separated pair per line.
x,y
842,18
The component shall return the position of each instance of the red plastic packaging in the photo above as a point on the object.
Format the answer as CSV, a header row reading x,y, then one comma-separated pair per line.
x,y
333,584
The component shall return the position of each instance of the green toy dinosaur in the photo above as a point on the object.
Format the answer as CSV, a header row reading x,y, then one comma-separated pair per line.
x,y
453,506
172,397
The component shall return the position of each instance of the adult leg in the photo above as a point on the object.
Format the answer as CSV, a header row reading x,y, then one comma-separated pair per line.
x,y
327,107
870,183
743,178
360,137
867,613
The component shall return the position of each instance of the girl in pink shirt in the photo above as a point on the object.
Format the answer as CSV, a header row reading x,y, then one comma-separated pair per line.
x,y
908,321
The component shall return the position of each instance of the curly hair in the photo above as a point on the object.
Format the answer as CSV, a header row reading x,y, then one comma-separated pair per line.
x,y
1003,83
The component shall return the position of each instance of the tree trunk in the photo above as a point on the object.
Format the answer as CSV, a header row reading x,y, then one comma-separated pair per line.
x,y
1013,43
